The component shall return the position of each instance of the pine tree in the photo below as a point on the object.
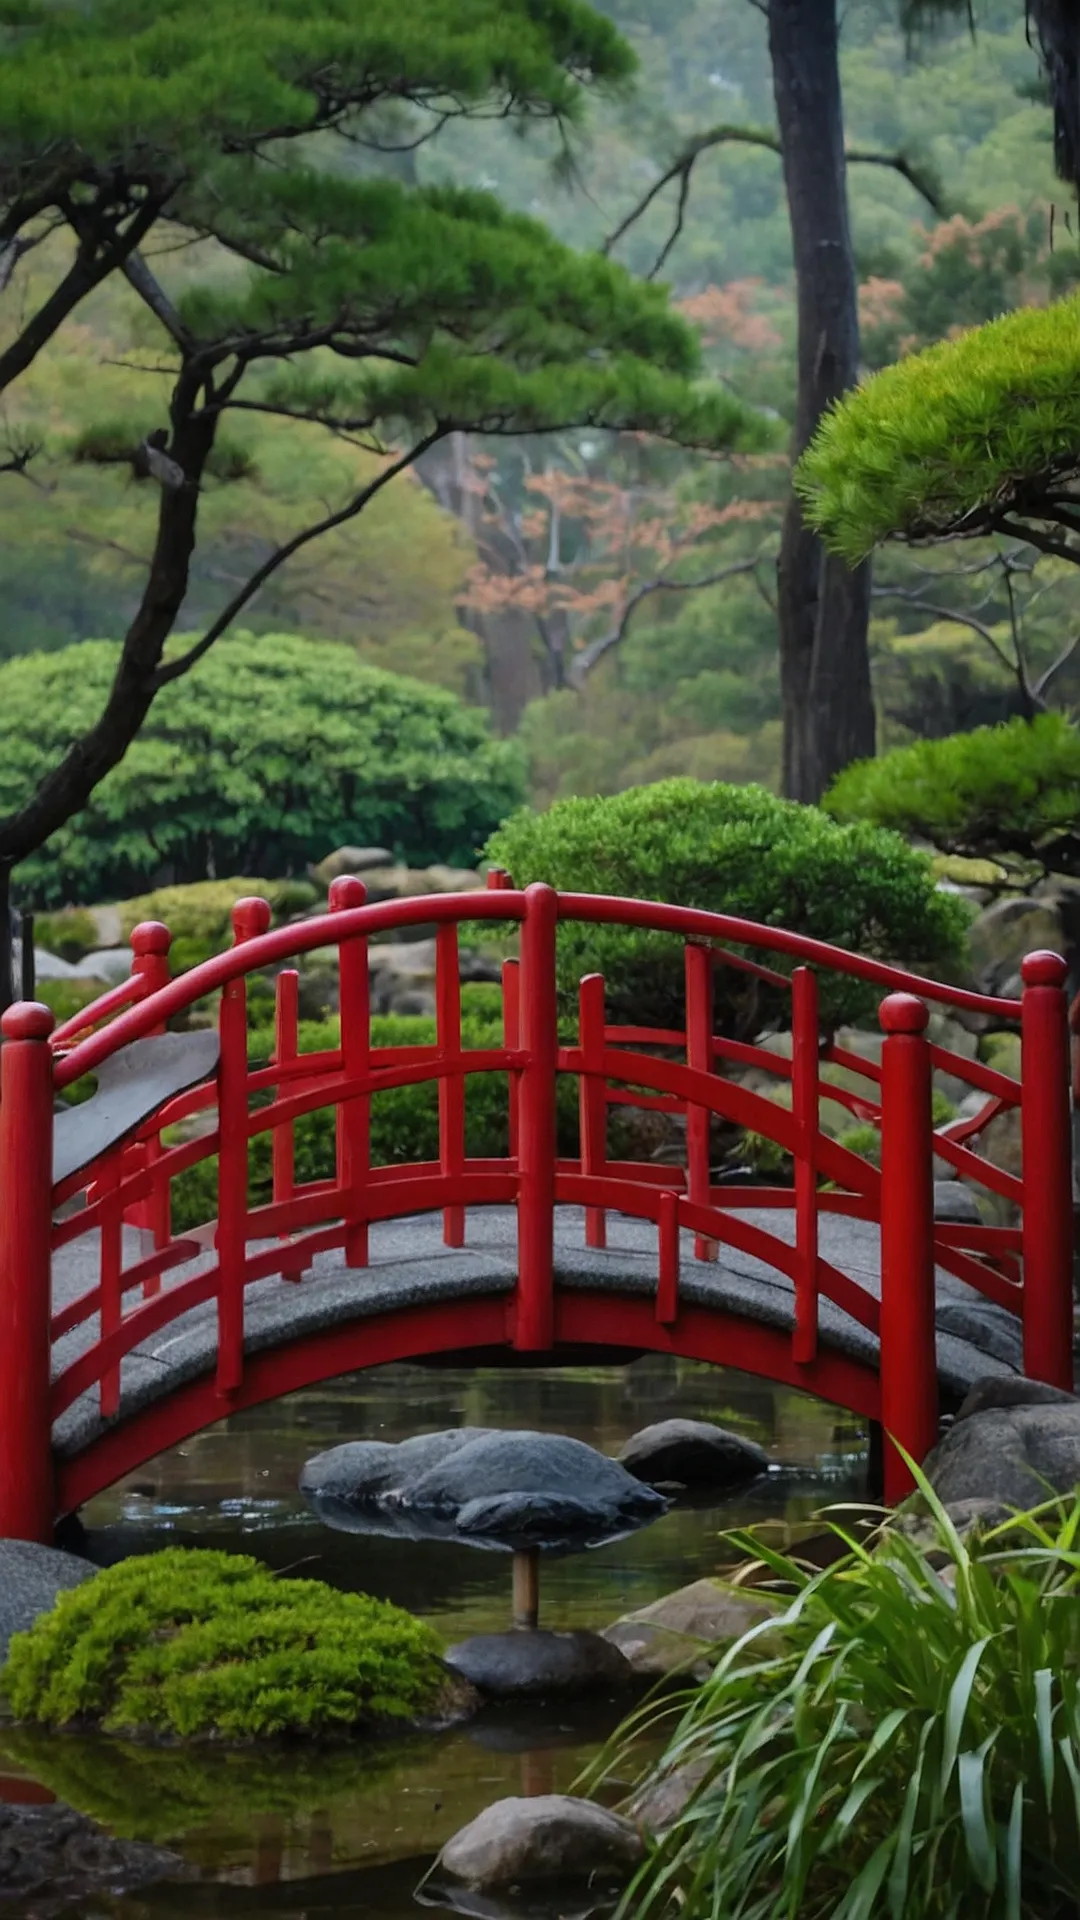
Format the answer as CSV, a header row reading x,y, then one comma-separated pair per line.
x,y
230,158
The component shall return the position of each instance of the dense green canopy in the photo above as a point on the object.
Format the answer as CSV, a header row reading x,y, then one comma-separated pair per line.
x,y
272,752
976,435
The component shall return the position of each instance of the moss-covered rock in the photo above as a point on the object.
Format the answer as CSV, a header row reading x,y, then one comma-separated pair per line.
x,y
196,1644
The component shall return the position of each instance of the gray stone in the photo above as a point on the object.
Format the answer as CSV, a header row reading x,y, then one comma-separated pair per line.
x,y
663,1797
360,1471
955,1204
31,1577
995,1391
350,860
683,1629
517,1462
53,1859
107,964
1003,933
531,1664
535,1519
551,1838
693,1453
1014,1456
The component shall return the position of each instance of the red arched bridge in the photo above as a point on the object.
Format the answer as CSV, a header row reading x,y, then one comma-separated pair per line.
x,y
120,1337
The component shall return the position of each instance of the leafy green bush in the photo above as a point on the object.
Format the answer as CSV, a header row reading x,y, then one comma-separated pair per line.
x,y
902,1739
270,753
1008,790
206,1643
736,850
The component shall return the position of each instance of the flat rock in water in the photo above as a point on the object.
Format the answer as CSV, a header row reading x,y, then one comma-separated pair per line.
x,y
31,1577
683,1628
53,1859
523,1664
694,1453
510,1488
550,1838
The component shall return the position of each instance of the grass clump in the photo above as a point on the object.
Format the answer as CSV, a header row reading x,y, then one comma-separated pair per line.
x,y
902,1739
195,1644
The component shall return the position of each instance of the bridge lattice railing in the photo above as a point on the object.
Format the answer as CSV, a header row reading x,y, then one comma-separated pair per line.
x,y
1023,1265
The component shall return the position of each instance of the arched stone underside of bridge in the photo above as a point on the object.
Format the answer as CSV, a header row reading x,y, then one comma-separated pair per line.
x,y
420,1299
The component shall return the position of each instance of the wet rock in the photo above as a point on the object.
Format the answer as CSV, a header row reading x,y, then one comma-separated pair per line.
x,y
522,1665
1004,933
552,1838
955,1204
504,1488
350,860
692,1453
361,1470
998,1391
664,1797
31,1577
52,1858
549,1464
1013,1455
683,1629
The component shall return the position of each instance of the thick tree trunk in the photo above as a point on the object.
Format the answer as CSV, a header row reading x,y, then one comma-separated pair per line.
x,y
823,607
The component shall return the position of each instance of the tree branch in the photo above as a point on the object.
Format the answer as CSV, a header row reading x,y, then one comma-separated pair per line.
x,y
583,662
912,599
89,268
682,167
175,669
152,293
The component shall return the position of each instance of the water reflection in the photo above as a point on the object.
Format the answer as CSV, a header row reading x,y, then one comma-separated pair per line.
x,y
358,1825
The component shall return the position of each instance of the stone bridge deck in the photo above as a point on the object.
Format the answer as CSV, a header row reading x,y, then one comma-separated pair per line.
x,y
410,1267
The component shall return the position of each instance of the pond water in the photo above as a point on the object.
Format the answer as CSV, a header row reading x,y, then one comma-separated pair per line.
x,y
351,1829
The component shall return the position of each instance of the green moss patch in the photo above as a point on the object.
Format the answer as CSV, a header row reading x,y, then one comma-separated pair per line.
x,y
202,1644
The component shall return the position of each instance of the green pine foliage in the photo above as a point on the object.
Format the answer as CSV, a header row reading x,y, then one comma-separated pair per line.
x,y
735,850
902,1739
950,440
270,753
1006,790
198,1644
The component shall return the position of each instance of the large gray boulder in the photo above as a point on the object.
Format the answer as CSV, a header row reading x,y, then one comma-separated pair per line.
x,y
522,1665
682,1630
1013,1444
31,1577
550,1839
692,1453
511,1488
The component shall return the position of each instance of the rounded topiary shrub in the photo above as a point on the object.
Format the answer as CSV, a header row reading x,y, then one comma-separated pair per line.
x,y
195,1644
734,850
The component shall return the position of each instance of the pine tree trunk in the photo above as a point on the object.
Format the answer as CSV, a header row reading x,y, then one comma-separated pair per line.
x,y
823,607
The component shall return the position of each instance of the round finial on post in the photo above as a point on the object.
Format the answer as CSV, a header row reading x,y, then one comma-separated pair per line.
x,y
348,890
27,1020
250,917
150,937
1043,969
903,1013
498,880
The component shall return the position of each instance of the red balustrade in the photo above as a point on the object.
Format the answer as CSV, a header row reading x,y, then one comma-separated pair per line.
x,y
1026,1268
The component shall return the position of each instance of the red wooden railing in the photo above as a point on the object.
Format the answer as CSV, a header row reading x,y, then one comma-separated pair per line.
x,y
1024,1267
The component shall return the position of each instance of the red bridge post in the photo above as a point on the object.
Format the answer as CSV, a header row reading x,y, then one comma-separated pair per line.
x,y
909,1385
1046,1130
534,1328
26,1144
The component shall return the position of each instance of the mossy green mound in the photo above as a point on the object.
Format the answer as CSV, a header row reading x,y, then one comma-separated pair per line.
x,y
199,1644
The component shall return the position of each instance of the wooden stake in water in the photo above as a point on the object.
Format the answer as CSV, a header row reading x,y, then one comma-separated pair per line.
x,y
526,1587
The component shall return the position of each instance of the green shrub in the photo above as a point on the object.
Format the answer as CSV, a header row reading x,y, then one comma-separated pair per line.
x,y
736,850
272,752
68,934
202,910
902,1739
1009,791
205,1643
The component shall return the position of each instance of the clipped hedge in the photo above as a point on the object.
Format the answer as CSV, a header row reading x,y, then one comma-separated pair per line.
x,y
735,850
1012,789
194,1644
